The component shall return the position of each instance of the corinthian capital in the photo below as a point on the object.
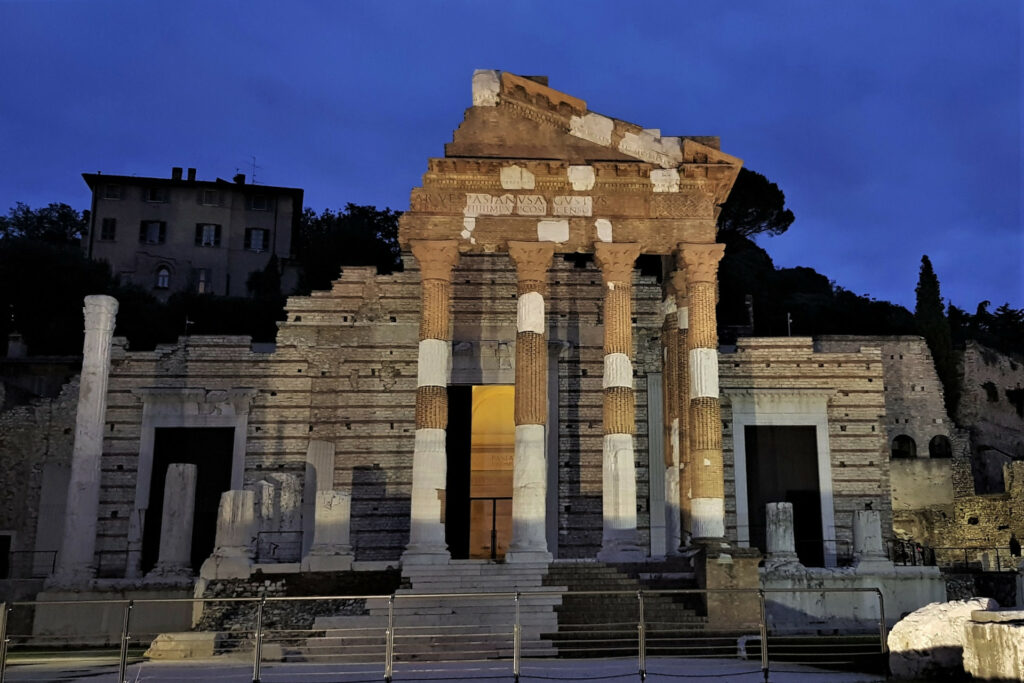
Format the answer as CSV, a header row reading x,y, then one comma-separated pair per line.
x,y
532,259
436,258
701,261
616,260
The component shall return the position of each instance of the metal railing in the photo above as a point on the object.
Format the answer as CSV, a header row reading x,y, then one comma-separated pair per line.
x,y
516,633
972,558
494,519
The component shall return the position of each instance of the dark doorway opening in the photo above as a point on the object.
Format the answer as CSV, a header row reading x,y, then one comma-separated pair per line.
x,y
459,447
782,467
210,449
5,556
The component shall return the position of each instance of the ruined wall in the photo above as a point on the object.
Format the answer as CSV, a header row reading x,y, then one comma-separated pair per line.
x,y
855,409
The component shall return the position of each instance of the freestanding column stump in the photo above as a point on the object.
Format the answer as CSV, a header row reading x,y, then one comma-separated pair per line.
x,y
236,537
780,539
174,564
331,550
429,459
76,562
619,542
530,472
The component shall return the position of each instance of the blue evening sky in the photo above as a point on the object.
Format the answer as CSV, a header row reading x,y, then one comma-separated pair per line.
x,y
893,127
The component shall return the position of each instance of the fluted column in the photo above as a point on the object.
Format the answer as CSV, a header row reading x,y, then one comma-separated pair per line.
x,y
430,459
682,432
529,479
619,542
670,395
707,503
75,562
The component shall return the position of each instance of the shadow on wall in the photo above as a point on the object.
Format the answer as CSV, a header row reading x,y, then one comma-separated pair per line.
x,y
380,524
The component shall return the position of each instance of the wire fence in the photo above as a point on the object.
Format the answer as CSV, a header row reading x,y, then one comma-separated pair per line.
x,y
521,634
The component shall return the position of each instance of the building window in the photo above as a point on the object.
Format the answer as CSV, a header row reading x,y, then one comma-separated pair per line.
x,y
256,239
904,447
163,277
203,281
111,191
259,202
209,198
108,230
155,194
207,235
153,232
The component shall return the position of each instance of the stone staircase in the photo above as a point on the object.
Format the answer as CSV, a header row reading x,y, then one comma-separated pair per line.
x,y
429,626
592,622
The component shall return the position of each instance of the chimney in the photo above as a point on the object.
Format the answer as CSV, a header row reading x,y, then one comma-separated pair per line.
x,y
176,173
191,174
240,178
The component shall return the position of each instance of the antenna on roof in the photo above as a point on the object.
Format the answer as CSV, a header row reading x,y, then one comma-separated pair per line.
x,y
253,166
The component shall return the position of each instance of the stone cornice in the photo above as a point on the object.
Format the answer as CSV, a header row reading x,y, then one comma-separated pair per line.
x,y
436,258
701,261
616,261
532,259
776,400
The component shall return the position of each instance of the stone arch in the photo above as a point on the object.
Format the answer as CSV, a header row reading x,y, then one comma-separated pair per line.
x,y
904,447
940,447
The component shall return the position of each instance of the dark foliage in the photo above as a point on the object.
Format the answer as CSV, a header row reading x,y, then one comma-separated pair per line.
x,y
57,223
1002,330
930,317
755,206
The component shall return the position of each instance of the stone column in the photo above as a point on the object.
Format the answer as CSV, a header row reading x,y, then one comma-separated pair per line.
x,y
681,430
781,543
75,562
236,535
706,480
529,479
429,460
670,399
174,563
619,542
331,550
868,545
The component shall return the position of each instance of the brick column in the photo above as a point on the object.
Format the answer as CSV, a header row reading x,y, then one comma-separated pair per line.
x,y
76,565
619,542
430,459
670,395
707,503
683,388
530,475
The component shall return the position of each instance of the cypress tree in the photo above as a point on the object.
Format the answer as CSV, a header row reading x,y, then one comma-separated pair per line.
x,y
932,324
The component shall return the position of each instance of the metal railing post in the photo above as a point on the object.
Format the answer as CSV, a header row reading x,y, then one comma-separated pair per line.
x,y
764,635
3,640
882,626
122,666
641,637
389,640
517,642
257,657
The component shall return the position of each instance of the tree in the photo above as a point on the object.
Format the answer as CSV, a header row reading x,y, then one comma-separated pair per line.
x,y
932,324
355,236
57,223
755,206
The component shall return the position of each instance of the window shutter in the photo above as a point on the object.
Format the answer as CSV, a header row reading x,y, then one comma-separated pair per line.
x,y
163,232
199,234
216,236
142,232
248,239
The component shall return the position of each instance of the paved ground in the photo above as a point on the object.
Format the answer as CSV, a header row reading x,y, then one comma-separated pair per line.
x,y
225,670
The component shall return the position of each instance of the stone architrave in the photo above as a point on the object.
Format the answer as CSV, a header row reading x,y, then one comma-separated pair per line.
x,y
76,559
236,537
331,550
174,563
781,541
868,546
620,541
529,480
427,543
706,479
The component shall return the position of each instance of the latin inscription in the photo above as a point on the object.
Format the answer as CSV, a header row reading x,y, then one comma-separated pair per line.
x,y
572,206
488,205
531,205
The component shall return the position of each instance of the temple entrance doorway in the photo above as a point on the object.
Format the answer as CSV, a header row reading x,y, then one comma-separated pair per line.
x,y
782,467
481,448
210,450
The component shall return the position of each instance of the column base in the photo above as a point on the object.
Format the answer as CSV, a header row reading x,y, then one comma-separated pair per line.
x,y
528,557
872,564
782,562
226,567
327,562
426,555
71,578
169,575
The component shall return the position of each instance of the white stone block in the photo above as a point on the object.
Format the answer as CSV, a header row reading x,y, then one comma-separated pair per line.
x,y
429,481
618,371
668,306
683,318
553,231
929,641
665,152
592,127
287,501
604,229
581,177
781,541
619,542
516,178
707,517
665,180
530,313
486,86
703,373
331,549
434,367
529,496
